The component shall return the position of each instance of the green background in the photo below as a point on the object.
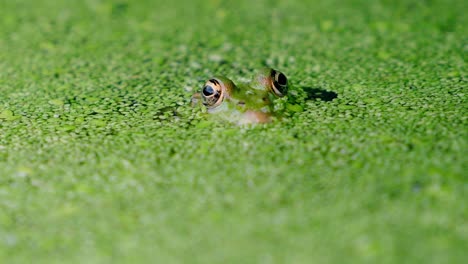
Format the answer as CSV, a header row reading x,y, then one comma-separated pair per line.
x,y
102,160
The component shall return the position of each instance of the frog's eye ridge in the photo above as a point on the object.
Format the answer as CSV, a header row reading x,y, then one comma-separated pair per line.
x,y
214,81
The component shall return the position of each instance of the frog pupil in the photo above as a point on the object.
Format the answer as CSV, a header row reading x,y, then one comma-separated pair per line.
x,y
282,79
208,91
278,86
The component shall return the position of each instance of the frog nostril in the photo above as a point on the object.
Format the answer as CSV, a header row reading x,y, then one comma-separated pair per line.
x,y
208,90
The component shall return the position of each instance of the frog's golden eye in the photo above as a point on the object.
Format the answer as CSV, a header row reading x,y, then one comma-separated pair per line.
x,y
279,83
212,93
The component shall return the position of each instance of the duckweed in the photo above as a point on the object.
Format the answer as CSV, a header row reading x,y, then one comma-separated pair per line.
x,y
102,159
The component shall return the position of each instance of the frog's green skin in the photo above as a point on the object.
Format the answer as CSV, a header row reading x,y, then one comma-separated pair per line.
x,y
245,103
270,80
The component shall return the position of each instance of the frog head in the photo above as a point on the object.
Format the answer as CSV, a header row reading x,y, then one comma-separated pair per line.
x,y
246,102
271,80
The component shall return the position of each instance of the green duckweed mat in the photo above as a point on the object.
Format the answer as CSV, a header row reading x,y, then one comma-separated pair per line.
x,y
102,159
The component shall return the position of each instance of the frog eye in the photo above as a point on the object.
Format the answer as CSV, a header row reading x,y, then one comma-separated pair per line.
x,y
279,83
212,93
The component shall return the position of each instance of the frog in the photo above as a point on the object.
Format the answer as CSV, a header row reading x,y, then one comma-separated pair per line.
x,y
252,102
